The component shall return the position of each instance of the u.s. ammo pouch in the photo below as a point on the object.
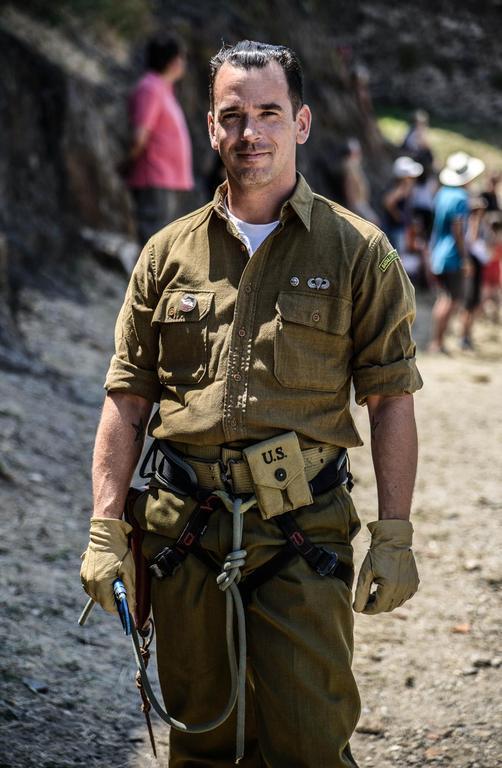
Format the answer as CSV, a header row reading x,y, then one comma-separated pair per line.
x,y
278,471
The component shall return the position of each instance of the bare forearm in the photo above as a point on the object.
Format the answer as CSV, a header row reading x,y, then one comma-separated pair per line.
x,y
457,229
118,446
394,452
141,138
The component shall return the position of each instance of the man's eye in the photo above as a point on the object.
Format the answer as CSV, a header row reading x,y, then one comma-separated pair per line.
x,y
229,116
269,113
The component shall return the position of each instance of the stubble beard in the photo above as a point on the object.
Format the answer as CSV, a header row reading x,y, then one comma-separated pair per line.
x,y
250,177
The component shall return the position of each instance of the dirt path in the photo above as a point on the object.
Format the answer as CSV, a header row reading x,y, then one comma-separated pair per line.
x,y
429,673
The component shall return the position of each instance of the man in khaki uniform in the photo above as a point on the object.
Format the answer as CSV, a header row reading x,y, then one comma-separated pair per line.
x,y
247,321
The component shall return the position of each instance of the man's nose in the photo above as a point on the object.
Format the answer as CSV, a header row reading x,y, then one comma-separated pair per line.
x,y
250,130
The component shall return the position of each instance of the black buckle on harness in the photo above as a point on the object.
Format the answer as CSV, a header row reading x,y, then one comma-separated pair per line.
x,y
327,561
321,559
167,562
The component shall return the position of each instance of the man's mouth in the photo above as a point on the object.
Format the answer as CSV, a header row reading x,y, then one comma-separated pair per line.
x,y
252,149
252,155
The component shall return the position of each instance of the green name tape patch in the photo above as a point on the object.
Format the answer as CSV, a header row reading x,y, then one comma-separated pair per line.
x,y
387,260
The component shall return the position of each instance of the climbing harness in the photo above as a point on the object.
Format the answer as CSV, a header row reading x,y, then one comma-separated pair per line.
x,y
180,475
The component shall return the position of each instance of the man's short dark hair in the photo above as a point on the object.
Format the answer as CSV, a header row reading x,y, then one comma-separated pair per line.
x,y
161,50
248,54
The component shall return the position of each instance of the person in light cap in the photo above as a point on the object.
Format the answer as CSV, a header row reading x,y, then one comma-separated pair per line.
x,y
406,168
396,201
449,255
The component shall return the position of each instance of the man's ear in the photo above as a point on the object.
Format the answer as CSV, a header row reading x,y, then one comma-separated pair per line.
x,y
303,123
211,130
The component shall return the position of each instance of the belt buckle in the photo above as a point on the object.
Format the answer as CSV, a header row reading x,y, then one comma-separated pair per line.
x,y
327,563
226,475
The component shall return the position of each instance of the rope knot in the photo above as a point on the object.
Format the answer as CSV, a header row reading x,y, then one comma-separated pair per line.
x,y
230,572
236,559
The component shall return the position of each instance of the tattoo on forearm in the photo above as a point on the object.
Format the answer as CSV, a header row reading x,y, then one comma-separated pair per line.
x,y
374,424
140,431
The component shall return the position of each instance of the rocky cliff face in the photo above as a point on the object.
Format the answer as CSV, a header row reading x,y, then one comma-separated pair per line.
x,y
62,122
441,56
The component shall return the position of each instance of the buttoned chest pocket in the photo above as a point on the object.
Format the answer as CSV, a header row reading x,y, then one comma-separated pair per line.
x,y
182,318
312,345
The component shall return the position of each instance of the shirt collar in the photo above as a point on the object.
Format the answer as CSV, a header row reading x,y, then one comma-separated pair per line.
x,y
300,202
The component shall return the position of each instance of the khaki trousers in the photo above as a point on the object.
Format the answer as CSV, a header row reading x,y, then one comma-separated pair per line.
x,y
302,704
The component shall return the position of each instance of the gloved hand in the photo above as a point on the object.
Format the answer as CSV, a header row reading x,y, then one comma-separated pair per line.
x,y
106,558
390,564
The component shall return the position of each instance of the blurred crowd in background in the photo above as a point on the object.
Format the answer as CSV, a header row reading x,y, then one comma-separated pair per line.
x,y
446,224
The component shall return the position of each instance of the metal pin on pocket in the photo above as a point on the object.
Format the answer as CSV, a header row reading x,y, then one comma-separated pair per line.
x,y
188,303
318,282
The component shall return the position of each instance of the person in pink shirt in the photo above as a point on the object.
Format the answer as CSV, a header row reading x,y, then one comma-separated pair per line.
x,y
160,159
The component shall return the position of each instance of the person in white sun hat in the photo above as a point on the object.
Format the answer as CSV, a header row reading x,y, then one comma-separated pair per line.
x,y
449,256
396,201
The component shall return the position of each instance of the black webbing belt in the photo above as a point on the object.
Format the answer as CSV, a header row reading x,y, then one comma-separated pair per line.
x,y
322,560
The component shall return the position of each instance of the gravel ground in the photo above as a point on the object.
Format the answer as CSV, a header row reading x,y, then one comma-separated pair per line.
x,y
429,672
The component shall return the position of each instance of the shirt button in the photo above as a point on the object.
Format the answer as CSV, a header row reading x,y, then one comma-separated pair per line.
x,y
237,377
242,332
248,288
243,248
316,317
171,312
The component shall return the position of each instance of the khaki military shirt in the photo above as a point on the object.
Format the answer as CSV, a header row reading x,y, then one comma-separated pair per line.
x,y
238,349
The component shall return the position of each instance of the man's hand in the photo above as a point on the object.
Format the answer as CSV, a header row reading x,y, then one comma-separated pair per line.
x,y
119,441
107,558
390,565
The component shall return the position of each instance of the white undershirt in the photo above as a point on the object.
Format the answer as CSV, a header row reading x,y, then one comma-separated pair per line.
x,y
252,235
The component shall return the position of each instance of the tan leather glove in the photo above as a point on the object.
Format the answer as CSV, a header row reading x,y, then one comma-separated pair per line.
x,y
106,558
389,564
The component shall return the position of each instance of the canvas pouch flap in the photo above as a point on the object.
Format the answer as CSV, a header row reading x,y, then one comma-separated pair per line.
x,y
278,472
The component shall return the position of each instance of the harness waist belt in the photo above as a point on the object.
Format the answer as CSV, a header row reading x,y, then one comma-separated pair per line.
x,y
225,466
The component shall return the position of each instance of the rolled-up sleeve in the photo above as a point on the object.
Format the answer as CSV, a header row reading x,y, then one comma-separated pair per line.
x,y
133,367
383,313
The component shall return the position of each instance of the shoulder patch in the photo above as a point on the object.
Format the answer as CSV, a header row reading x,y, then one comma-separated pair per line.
x,y
387,260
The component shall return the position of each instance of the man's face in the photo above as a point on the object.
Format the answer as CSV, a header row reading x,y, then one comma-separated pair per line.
x,y
252,126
